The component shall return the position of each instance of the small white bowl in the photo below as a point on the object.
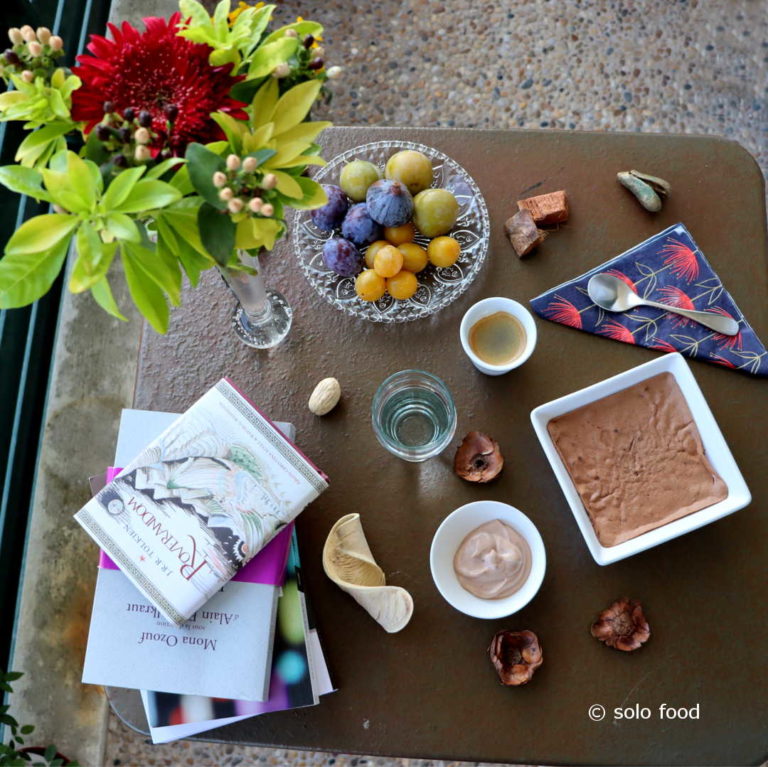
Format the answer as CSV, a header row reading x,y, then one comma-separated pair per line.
x,y
712,438
448,538
490,306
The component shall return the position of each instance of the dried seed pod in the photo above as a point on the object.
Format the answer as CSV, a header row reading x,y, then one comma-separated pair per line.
x,y
659,185
645,188
622,625
515,655
478,458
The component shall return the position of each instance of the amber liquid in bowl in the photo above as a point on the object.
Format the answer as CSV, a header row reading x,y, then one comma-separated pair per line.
x,y
497,339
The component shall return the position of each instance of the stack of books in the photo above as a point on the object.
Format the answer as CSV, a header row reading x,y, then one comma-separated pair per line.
x,y
199,602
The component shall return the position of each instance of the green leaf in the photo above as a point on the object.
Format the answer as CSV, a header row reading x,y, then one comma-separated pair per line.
x,y
256,23
24,277
191,9
58,161
83,177
302,161
27,729
40,233
93,259
163,167
50,752
302,28
194,264
245,90
264,102
180,180
161,268
95,150
233,130
307,132
224,55
269,55
294,105
148,194
123,227
12,676
217,232
102,294
262,234
23,181
168,271
314,195
220,23
39,145
261,155
148,297
61,191
120,187
202,164
288,185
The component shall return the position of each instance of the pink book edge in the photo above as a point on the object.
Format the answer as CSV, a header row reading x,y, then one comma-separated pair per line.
x,y
267,567
277,431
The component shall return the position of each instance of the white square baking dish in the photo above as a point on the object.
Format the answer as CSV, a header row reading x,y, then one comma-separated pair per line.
x,y
715,447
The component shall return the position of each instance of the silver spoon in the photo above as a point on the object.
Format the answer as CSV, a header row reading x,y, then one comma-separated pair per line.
x,y
614,295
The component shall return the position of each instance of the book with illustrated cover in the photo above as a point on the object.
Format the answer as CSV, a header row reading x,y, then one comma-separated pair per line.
x,y
299,675
200,501
131,644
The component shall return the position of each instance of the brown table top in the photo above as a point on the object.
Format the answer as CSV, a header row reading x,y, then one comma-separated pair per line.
x,y
430,691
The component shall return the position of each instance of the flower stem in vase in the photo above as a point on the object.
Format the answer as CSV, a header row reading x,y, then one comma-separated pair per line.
x,y
262,318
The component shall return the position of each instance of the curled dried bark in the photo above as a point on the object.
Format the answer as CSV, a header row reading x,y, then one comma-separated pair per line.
x,y
622,625
515,655
478,458
522,232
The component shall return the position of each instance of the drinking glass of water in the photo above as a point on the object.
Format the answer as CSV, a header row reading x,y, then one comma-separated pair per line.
x,y
413,415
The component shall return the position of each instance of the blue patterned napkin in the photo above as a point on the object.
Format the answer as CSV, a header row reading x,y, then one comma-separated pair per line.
x,y
669,268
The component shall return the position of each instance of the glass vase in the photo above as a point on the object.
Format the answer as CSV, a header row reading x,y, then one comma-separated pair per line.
x,y
262,317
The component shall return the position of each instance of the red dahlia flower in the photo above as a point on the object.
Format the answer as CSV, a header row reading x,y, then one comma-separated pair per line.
x,y
154,70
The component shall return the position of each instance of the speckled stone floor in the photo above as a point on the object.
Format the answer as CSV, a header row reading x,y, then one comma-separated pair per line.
x,y
618,65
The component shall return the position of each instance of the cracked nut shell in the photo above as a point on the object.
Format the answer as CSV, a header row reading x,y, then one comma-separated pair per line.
x,y
622,625
515,655
478,458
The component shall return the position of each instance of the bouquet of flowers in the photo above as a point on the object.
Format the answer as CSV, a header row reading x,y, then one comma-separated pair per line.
x,y
172,149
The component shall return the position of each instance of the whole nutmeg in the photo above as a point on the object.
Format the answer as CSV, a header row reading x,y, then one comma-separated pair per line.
x,y
325,396
515,655
478,458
